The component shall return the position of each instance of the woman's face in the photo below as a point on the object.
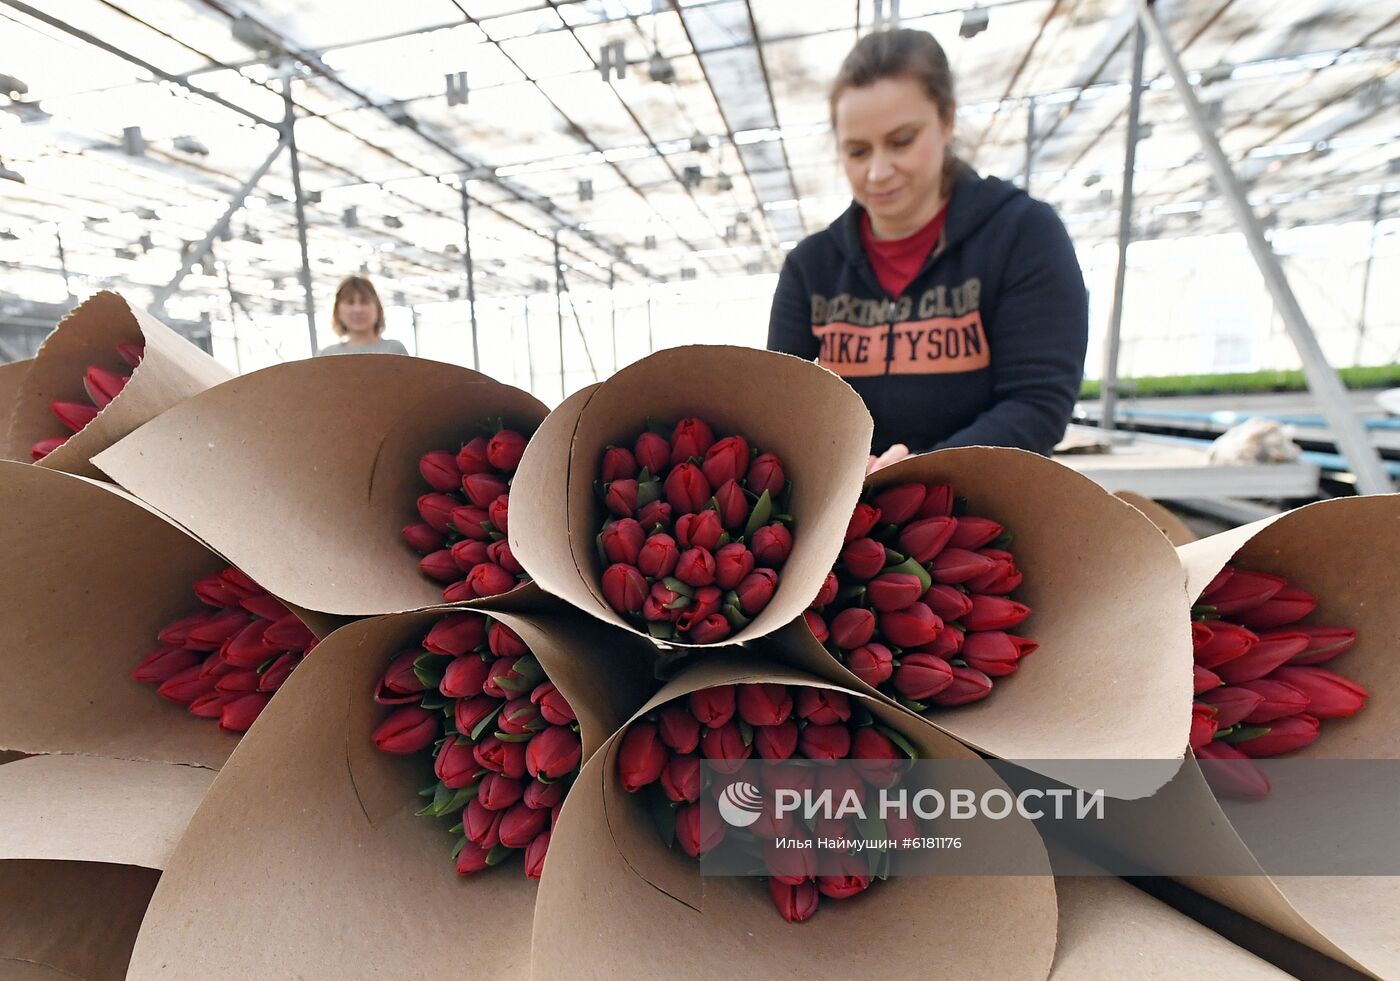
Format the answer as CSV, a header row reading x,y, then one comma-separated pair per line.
x,y
892,142
358,313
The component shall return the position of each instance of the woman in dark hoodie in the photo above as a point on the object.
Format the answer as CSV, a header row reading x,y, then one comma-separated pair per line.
x,y
952,303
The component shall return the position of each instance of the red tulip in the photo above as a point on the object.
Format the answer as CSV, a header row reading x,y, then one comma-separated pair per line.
x,y
1227,641
653,452
938,501
756,590
705,603
913,626
872,663
472,458
440,565
456,635
863,520
733,505
777,742
454,764
618,464
695,567
955,565
211,705
1324,643
553,753
213,591
949,602
505,449
994,652
499,513
1287,605
822,706
278,672
468,713
1232,704
471,521
483,488
699,827
406,730
681,779
489,579
658,556
553,706
766,474
686,488
481,825
713,707
727,459
74,415
398,678
852,628
1329,695
439,469
827,593
969,685
702,530
44,447
620,496
211,634
994,613
240,714
709,630
972,532
508,759
732,563
816,625
863,558
519,716
825,742
900,503
1242,590
164,663
264,605
535,853
892,591
131,353
725,744
922,676
499,553
654,516
290,634
926,538
242,681
1203,724
185,686
622,540
543,796
1230,773
436,510
949,643
641,757
624,588
1262,657
772,544
854,879
691,438
459,592
795,903
679,729
1277,700
879,760
763,704
497,792
1203,679
1284,736
1001,580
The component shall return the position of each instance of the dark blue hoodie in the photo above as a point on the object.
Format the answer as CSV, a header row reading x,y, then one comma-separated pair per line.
x,y
984,348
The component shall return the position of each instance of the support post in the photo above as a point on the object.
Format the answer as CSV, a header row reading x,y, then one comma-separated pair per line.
x,y
289,135
471,273
1030,142
63,264
1365,278
612,312
529,348
559,309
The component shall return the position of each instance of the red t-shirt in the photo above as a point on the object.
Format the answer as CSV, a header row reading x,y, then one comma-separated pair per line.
x,y
897,261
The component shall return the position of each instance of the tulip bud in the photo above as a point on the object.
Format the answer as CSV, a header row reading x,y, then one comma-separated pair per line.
x,y
777,742
994,613
1226,642
454,765
74,415
679,729
763,704
822,706
972,532
1277,700
699,827
553,753
459,592
499,513
535,853
863,558
481,825
706,601
681,779
927,538
817,625
969,685
766,474
1263,657
871,663
825,742
264,605
853,880
620,496
658,556
213,591
727,459
1232,703
892,591
948,602
436,510
519,716
756,590
507,759
543,796
900,503
732,563
772,544
439,469
175,633
44,447
641,757
622,541
994,652
164,663
1230,773
472,521
794,903
701,530
277,673
913,626
1324,643
713,707
618,464
468,713
1329,695
240,714
489,579
686,488
483,488
498,793
949,643
1203,724
509,677
695,567
863,520
922,676
711,629
725,745
398,678
830,586
1243,590
553,706
1283,736
456,635
997,580
505,449
624,588
1284,607
185,686
406,730
102,386
211,705
654,515
289,634
248,648
472,458
877,758
733,505
852,628
691,438
653,452
1203,679
471,858
440,565
955,565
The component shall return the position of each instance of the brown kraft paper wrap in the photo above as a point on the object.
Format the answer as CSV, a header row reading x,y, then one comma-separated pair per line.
x,y
96,577
1176,530
304,474
810,418
171,371
335,830
1108,929
1344,552
1112,676
615,902
11,374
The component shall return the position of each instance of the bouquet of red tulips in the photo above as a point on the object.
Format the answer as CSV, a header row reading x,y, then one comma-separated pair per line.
x,y
504,741
225,661
697,531
919,603
466,517
1260,690
101,385
661,753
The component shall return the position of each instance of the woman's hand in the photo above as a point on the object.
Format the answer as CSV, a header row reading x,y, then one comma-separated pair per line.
x,y
894,454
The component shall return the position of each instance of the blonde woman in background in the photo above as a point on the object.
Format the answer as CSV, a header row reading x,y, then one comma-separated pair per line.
x,y
358,318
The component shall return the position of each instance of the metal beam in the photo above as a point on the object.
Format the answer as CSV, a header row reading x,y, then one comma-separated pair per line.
x,y
559,309
612,314
289,131
1109,383
1366,277
197,253
1323,381
471,273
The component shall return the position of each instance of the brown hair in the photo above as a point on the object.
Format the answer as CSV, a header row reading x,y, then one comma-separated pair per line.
x,y
361,286
898,53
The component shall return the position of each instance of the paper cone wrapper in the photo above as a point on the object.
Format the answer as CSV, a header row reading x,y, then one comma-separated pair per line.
x,y
309,815
1108,929
614,901
11,374
95,577
304,474
81,843
1343,551
1112,676
172,370
1176,530
814,422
